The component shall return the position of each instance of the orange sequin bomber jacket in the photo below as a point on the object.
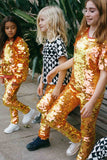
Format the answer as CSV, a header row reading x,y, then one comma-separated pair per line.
x,y
14,62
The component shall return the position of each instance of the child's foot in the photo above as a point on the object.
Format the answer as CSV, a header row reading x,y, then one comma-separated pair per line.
x,y
27,117
11,128
73,149
38,143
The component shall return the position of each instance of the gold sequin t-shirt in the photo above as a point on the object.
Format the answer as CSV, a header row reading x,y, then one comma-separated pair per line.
x,y
15,60
89,59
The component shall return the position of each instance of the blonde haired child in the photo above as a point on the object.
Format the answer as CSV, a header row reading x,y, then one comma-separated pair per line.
x,y
51,32
56,25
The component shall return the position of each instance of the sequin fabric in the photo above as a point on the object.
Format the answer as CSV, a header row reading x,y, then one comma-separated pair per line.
x,y
15,62
89,59
44,106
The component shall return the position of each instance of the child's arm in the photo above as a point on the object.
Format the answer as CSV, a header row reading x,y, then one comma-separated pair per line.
x,y
61,77
88,107
41,85
21,61
64,66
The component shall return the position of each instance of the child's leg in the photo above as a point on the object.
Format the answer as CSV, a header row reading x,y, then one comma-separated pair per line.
x,y
58,113
88,132
14,116
10,99
44,130
43,106
47,100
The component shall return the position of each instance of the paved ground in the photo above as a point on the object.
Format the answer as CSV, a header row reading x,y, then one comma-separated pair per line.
x,y
13,146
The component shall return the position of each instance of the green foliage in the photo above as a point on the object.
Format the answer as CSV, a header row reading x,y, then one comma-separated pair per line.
x,y
26,12
73,14
27,18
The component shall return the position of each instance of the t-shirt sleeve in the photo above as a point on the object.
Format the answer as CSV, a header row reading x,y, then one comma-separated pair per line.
x,y
103,58
21,61
61,49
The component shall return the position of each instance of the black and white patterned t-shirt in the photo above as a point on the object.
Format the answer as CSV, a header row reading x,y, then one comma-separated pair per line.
x,y
52,51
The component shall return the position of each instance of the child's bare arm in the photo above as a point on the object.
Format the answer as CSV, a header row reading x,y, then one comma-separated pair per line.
x,y
41,85
64,66
61,77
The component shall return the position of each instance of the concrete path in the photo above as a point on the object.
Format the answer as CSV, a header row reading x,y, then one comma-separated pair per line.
x,y
13,146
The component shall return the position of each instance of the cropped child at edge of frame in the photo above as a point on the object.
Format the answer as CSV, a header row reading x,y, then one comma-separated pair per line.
x,y
14,53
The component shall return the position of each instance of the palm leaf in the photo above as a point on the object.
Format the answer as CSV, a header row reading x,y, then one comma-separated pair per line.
x,y
26,17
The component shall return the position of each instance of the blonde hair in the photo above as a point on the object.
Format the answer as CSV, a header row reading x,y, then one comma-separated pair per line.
x,y
56,24
101,31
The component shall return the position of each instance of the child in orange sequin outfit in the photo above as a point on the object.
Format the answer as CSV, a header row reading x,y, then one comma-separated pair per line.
x,y
51,32
86,86
88,81
14,70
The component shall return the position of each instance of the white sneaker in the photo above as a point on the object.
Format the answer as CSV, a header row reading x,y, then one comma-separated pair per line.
x,y
73,149
27,117
11,128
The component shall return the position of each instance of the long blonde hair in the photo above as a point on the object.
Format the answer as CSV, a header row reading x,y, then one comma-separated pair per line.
x,y
101,31
56,24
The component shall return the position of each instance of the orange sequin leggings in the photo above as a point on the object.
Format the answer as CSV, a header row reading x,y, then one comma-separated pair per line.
x,y
10,100
54,114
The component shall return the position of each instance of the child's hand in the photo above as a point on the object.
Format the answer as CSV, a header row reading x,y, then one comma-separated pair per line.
x,y
56,93
40,89
51,75
86,111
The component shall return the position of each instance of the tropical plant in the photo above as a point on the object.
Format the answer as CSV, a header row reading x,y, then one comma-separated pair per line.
x,y
73,13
